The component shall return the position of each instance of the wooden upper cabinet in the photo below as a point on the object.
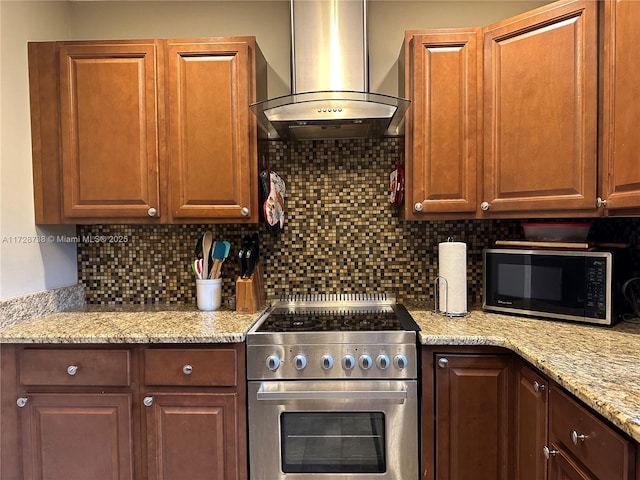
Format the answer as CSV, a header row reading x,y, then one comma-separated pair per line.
x,y
540,111
148,131
620,154
442,148
109,130
212,151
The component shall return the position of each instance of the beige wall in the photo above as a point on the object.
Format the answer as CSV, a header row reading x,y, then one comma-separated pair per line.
x,y
269,21
31,267
26,264
388,20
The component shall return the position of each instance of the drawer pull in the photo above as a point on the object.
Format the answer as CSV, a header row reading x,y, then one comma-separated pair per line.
x,y
187,369
22,401
548,453
538,386
72,370
575,437
147,401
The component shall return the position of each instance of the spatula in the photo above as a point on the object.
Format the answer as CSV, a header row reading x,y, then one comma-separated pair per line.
x,y
219,254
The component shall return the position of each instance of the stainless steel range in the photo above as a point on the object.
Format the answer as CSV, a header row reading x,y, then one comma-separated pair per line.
x,y
332,387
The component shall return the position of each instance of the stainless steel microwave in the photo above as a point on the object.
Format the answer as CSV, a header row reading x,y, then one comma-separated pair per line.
x,y
571,285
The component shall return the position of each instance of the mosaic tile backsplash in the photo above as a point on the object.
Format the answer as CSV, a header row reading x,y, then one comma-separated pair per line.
x,y
341,236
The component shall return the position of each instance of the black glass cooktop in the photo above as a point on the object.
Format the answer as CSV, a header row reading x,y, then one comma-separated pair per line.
x,y
342,320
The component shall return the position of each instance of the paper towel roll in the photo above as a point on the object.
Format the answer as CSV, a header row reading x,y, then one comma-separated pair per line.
x,y
452,267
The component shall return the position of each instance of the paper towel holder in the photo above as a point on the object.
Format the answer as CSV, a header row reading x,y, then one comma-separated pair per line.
x,y
436,299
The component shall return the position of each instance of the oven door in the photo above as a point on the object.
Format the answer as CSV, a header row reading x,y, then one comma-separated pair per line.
x,y
333,430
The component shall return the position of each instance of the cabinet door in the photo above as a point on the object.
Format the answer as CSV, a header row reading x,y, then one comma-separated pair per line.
x,y
211,146
561,467
531,418
473,417
443,156
620,160
540,110
192,436
77,436
109,128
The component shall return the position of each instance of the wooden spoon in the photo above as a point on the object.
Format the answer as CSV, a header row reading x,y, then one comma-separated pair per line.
x,y
207,241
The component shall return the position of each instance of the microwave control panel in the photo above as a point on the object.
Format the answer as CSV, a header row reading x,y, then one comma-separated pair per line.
x,y
596,291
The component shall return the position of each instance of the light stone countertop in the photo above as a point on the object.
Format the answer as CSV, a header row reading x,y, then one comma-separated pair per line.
x,y
599,365
130,324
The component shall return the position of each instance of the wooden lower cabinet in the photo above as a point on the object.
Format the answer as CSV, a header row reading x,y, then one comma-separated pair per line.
x,y
531,423
563,468
472,415
487,414
194,413
75,435
123,413
188,436
579,437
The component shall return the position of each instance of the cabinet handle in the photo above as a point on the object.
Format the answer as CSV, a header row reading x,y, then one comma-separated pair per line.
x,y
152,212
443,362
575,437
547,452
147,401
22,401
244,211
418,207
72,370
187,369
538,386
484,206
601,203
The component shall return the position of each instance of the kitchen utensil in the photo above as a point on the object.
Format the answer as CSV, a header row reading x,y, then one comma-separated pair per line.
x,y
194,267
197,267
219,253
198,249
242,255
252,256
207,241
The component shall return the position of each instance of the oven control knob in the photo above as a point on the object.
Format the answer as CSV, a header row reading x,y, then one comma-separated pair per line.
x,y
383,361
400,362
365,362
273,362
300,361
326,362
348,362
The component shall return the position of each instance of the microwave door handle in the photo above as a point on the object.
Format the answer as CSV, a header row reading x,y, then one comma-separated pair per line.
x,y
395,396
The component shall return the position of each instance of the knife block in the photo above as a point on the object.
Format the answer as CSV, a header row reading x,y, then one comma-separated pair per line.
x,y
250,293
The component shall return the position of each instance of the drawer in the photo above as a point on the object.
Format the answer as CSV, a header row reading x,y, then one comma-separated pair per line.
x,y
605,452
191,367
74,367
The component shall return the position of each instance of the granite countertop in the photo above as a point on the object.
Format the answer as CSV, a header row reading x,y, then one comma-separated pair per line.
x,y
599,365
132,324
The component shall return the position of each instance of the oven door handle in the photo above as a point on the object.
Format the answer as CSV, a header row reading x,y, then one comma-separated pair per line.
x,y
396,396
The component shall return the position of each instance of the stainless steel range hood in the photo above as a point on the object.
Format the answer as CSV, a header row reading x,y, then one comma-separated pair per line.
x,y
330,79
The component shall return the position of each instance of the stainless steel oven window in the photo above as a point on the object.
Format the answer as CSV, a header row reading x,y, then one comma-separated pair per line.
x,y
333,442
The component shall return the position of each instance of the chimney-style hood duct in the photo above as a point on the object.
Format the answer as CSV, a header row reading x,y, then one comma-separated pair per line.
x,y
330,79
